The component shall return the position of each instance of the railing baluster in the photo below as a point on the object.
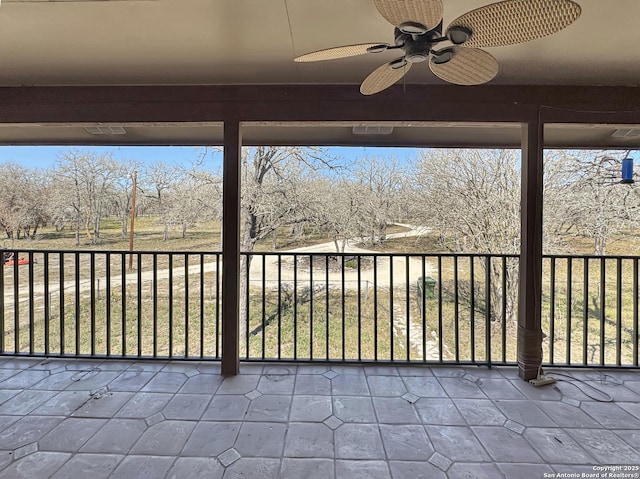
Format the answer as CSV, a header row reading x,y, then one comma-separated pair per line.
x,y
32,324
344,318
77,301
279,306
569,301
295,306
552,308
264,300
440,324
154,311
123,319
201,280
218,299
619,312
186,305
139,302
456,313
62,308
247,274
585,310
504,309
16,304
170,305
408,309
343,310
92,295
487,313
391,315
473,308
603,308
326,306
359,289
423,305
107,300
47,304
375,307
635,312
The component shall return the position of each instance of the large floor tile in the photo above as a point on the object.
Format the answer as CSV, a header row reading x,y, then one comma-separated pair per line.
x,y
309,440
557,447
359,441
456,443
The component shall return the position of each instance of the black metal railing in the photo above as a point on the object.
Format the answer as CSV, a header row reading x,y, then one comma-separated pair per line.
x,y
380,307
87,303
426,308
590,310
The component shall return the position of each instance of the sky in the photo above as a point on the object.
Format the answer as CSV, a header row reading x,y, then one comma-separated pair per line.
x,y
47,156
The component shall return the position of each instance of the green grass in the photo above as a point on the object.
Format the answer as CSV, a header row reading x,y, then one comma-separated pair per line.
x,y
312,327
148,237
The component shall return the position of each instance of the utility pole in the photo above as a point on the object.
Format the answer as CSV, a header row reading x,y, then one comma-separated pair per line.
x,y
133,215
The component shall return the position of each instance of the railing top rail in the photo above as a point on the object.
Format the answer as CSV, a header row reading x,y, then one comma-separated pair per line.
x,y
589,256
107,251
383,255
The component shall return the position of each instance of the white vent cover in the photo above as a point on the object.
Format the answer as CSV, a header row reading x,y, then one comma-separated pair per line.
x,y
106,130
626,133
372,130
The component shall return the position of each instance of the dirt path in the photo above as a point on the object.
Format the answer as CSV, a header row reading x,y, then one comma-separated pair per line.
x,y
389,271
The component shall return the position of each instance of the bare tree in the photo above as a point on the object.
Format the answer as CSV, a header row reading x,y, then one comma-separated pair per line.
x,y
379,184
161,179
590,200
205,195
340,210
273,196
87,181
123,185
472,197
24,200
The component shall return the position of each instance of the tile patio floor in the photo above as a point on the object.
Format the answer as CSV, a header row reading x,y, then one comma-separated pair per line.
x,y
126,419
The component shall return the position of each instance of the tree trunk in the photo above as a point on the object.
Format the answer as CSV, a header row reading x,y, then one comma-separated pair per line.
x,y
247,246
78,225
96,229
125,225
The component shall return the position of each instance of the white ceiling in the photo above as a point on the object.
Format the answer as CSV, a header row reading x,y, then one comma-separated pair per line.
x,y
137,42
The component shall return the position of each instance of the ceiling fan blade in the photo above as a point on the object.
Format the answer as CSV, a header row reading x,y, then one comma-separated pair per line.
x,y
340,52
397,12
384,76
467,66
516,21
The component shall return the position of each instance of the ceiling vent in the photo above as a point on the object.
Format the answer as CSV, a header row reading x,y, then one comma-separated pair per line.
x,y
372,130
626,133
106,130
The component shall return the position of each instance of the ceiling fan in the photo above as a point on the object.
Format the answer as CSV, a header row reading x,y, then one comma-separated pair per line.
x,y
418,29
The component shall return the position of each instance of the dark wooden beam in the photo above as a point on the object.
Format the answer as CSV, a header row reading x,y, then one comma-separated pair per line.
x,y
530,293
318,103
231,248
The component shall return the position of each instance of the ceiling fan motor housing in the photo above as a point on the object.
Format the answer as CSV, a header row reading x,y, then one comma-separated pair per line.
x,y
417,47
